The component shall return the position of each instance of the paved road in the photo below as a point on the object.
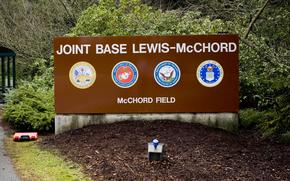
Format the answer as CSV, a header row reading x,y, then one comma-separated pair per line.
x,y
7,172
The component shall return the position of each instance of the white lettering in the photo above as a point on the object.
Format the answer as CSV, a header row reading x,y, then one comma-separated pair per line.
x,y
143,48
99,48
180,48
206,46
165,48
198,47
189,49
224,47
215,47
135,100
111,49
73,49
195,47
165,100
232,47
152,48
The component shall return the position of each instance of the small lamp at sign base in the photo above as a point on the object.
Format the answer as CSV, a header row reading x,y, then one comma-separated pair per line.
x,y
25,136
155,150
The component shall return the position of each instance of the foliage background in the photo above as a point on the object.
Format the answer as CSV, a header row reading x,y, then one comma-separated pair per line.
x,y
264,51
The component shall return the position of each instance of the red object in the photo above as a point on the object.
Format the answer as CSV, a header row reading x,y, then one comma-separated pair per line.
x,y
25,136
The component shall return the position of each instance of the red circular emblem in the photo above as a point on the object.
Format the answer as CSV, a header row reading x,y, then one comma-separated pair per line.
x,y
125,74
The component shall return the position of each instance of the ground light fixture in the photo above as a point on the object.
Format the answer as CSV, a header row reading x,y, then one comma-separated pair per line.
x,y
155,150
25,136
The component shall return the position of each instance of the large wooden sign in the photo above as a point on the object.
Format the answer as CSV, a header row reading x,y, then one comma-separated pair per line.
x,y
146,74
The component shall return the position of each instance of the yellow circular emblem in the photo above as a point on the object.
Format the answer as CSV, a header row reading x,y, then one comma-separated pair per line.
x,y
82,75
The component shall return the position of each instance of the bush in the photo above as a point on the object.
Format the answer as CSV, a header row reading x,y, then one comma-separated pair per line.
x,y
135,18
264,73
264,69
250,118
286,137
276,122
31,105
271,122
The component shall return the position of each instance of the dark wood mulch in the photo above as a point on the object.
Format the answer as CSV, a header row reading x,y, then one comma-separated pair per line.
x,y
193,152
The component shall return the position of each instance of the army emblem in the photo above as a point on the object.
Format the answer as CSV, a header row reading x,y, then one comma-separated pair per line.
x,y
167,74
210,73
125,74
82,75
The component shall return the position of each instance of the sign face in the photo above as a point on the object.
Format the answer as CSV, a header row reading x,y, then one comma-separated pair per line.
x,y
146,74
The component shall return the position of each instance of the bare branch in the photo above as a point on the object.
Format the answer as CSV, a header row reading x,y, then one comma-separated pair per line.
x,y
68,12
255,18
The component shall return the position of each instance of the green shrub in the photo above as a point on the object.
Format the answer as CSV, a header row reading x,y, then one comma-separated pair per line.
x,y
31,105
264,70
135,18
286,137
250,118
271,122
276,122
264,73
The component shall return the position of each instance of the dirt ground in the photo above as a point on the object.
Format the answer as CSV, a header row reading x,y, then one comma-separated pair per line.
x,y
193,152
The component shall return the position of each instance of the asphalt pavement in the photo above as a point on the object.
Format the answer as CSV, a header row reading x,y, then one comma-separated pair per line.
x,y
7,172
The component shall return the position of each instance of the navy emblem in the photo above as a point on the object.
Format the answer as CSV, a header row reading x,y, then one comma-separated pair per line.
x,y
210,73
82,75
167,74
125,74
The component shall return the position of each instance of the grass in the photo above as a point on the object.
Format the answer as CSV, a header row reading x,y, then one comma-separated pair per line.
x,y
34,163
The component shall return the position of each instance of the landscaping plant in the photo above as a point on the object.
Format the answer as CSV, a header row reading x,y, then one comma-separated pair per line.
x,y
263,27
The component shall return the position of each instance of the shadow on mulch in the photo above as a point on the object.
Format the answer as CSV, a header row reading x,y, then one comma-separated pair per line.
x,y
193,152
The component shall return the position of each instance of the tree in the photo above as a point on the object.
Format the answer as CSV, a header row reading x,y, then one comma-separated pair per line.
x,y
28,27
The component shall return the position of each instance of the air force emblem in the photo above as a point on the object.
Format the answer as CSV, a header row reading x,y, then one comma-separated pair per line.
x,y
210,73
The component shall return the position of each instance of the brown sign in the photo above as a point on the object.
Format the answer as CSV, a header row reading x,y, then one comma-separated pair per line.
x,y
146,74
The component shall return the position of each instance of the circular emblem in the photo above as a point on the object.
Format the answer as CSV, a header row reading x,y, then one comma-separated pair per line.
x,y
125,74
82,75
167,74
210,73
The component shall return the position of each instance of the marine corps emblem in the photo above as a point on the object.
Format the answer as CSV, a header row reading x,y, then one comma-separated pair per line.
x,y
125,74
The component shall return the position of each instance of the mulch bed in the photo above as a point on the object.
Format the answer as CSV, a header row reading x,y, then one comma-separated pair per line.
x,y
193,152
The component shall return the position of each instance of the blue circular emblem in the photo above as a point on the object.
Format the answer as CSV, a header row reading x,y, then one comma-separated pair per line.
x,y
167,74
125,74
210,73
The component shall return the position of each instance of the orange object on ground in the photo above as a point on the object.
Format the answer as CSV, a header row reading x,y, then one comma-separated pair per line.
x,y
25,136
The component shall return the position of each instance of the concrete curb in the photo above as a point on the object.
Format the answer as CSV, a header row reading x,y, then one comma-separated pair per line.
x,y
226,121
